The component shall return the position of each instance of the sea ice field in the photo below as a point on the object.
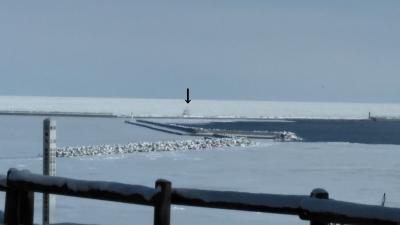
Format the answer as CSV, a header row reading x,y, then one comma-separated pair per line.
x,y
351,172
199,108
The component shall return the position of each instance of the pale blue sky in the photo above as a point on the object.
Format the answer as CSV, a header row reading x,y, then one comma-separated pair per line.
x,y
262,50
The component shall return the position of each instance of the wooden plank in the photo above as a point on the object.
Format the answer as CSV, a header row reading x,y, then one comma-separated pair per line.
x,y
25,207
162,207
3,183
332,211
11,206
319,194
19,206
316,209
258,202
109,191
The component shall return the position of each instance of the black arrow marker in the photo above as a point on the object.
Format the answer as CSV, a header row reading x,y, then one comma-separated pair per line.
x,y
187,100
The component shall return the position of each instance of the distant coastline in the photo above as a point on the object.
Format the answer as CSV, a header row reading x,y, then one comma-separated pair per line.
x,y
204,109
220,118
112,115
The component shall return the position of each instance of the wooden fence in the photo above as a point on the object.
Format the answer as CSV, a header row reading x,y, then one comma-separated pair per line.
x,y
317,208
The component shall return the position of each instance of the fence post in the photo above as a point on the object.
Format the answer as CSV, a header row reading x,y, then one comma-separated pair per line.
x,y
162,205
49,166
11,207
19,204
320,194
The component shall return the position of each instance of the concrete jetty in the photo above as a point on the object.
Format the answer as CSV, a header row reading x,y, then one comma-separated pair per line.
x,y
201,132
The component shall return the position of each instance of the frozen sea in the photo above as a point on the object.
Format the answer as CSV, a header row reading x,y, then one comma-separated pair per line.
x,y
351,172
199,108
363,131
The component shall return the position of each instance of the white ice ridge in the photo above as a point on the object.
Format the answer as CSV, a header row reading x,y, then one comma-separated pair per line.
x,y
196,144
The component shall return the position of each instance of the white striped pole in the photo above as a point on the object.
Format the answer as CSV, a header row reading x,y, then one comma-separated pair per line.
x,y
49,166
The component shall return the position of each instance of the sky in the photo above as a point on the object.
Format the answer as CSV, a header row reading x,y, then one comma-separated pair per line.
x,y
330,51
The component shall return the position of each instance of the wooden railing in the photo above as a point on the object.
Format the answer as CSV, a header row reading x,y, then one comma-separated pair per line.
x,y
20,187
3,183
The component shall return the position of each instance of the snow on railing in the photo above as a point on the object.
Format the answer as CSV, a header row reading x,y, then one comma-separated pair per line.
x,y
102,190
349,213
285,204
317,208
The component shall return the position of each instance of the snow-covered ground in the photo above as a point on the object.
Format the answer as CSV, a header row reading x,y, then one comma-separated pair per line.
x,y
199,108
351,172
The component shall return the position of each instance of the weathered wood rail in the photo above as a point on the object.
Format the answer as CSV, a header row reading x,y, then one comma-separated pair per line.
x,y
20,187
3,183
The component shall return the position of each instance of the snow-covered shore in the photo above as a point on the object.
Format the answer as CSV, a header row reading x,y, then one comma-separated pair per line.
x,y
197,144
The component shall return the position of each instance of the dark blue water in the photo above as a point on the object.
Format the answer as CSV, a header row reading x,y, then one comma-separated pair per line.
x,y
314,130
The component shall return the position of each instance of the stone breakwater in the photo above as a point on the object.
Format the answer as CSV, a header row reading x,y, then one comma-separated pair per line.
x,y
181,145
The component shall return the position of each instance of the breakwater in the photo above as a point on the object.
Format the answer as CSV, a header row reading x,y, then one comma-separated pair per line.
x,y
161,146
